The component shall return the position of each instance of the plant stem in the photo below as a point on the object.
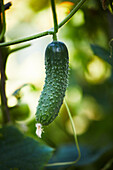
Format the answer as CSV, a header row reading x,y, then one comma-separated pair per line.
x,y
55,19
21,40
49,32
74,131
3,21
19,48
76,141
54,37
75,9
6,6
4,107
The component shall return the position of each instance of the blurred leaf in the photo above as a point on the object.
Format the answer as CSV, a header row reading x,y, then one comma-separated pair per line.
x,y
89,155
20,152
102,53
19,112
38,5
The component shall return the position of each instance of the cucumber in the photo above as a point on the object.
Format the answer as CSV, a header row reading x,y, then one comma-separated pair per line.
x,y
51,98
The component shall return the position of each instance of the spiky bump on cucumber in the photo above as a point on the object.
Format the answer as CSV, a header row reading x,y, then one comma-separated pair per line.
x,y
51,98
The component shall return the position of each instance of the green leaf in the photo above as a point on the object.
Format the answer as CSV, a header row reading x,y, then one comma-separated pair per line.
x,y
89,155
18,151
102,53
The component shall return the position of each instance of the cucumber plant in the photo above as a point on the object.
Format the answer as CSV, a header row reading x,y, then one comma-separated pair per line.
x,y
56,64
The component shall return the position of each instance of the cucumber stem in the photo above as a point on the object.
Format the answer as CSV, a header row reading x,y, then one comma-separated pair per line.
x,y
54,37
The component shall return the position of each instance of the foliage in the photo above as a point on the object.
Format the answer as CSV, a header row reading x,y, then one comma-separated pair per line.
x,y
20,152
88,36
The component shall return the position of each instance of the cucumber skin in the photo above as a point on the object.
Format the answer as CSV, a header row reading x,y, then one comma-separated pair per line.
x,y
51,98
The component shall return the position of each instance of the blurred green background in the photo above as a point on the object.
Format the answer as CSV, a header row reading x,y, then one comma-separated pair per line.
x,y
90,91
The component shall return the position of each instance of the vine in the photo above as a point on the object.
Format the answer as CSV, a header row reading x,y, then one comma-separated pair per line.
x,y
78,5
76,142
5,51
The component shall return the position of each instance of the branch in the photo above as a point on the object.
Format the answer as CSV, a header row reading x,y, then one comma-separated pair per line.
x,y
49,32
21,40
6,6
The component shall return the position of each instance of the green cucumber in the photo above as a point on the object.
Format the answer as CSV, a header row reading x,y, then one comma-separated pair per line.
x,y
51,98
